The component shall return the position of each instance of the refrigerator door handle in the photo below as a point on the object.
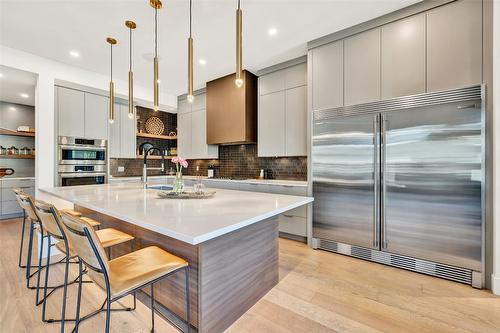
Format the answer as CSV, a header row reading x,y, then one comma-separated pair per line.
x,y
383,181
376,180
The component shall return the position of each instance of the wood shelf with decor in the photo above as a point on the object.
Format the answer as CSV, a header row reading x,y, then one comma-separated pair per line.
x,y
154,136
155,157
15,133
18,156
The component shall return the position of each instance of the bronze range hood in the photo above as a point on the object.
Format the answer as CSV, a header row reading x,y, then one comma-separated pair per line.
x,y
232,111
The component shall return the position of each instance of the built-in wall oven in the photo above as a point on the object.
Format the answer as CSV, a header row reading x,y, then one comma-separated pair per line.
x,y
81,161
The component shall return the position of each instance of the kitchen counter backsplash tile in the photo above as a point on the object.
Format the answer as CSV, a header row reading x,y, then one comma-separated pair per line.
x,y
234,161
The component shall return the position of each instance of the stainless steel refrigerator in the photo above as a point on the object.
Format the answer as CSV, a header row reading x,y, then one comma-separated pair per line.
x,y
401,182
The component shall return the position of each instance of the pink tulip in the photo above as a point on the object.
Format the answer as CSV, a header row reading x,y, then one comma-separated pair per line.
x,y
180,162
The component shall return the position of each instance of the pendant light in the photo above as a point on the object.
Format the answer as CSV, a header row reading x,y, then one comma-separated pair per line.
x,y
111,115
131,26
156,4
190,96
239,47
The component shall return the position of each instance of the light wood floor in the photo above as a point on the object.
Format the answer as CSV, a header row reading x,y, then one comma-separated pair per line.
x,y
318,292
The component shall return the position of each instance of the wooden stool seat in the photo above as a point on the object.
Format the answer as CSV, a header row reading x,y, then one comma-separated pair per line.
x,y
90,221
71,212
108,237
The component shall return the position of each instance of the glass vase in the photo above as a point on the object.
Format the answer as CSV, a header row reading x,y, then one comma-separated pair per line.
x,y
178,183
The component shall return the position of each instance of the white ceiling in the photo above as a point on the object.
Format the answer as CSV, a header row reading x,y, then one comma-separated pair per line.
x,y
13,83
54,28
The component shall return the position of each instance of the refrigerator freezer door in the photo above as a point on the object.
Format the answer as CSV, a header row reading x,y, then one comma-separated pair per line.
x,y
345,169
431,183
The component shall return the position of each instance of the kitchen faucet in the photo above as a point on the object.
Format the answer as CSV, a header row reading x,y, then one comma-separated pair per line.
x,y
145,166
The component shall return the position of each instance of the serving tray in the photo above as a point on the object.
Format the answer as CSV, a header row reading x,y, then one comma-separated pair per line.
x,y
185,195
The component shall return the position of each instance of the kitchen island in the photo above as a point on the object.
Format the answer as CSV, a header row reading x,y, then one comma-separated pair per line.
x,y
229,240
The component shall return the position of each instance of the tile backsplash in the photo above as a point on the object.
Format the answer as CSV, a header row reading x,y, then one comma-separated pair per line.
x,y
234,161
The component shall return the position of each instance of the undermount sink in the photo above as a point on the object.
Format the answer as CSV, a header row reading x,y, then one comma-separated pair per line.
x,y
160,187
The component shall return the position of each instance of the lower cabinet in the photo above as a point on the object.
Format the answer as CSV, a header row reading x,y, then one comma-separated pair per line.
x,y
9,207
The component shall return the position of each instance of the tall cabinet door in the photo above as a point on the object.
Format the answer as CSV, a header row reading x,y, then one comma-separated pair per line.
x,y
271,136
431,165
71,112
127,134
114,134
345,169
96,116
184,136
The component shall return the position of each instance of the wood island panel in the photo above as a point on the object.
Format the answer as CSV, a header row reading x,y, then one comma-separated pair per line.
x,y
228,274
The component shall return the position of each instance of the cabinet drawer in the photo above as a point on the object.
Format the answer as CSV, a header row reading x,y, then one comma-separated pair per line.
x,y
11,207
288,189
9,195
22,183
252,187
221,184
294,225
298,212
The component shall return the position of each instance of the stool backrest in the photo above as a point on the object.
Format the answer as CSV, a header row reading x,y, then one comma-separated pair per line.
x,y
50,219
86,243
26,203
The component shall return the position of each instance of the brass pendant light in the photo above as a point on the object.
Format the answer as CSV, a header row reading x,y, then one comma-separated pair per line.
x,y
131,26
190,96
111,115
156,4
239,47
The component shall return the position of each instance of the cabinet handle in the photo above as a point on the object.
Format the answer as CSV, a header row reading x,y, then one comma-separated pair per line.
x,y
286,215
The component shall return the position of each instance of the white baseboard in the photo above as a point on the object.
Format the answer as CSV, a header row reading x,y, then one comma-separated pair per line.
x,y
495,284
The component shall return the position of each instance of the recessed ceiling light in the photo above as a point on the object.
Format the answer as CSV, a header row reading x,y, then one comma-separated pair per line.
x,y
74,54
202,62
24,95
272,31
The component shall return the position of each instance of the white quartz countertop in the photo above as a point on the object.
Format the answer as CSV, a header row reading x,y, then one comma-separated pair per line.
x,y
189,220
246,181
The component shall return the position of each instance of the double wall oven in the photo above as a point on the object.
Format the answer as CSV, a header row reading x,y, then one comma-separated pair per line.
x,y
81,161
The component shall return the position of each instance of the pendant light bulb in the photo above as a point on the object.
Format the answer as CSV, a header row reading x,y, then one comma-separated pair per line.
x,y
131,26
190,98
239,47
111,115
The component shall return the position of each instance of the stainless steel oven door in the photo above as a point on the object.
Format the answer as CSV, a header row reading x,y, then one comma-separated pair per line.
x,y
69,154
82,178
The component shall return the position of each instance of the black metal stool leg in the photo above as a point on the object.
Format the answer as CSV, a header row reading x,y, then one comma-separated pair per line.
x,y
22,240
152,308
79,296
46,282
108,312
30,253
40,268
65,291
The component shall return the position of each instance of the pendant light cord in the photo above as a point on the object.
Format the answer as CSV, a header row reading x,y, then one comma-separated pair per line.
x,y
111,46
239,4
190,17
130,51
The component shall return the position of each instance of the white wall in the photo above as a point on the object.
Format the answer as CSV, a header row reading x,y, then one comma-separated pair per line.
x,y
48,71
496,148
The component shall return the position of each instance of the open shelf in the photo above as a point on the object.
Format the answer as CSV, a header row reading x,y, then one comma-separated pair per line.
x,y
14,133
154,136
18,156
155,157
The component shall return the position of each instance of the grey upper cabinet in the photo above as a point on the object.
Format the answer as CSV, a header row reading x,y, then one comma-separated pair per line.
x,y
454,45
272,82
184,129
296,76
403,57
296,121
327,76
271,125
96,116
282,113
199,103
71,112
362,67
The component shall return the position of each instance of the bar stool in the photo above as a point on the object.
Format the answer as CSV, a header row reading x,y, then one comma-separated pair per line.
x,y
51,221
27,204
123,275
30,214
